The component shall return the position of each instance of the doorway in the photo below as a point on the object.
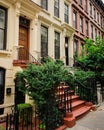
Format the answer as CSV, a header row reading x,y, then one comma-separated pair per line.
x,y
2,88
24,25
66,51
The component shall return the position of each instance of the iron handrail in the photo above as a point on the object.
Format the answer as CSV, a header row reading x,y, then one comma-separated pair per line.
x,y
29,57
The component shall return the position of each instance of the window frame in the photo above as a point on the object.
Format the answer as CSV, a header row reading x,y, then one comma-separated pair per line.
x,y
92,35
66,15
87,29
44,6
4,29
95,32
81,24
75,47
94,13
57,45
56,8
98,17
44,44
90,9
75,21
80,1
86,5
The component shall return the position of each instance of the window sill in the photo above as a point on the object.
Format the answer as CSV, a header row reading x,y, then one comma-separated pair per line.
x,y
76,29
86,11
58,19
46,11
6,105
82,34
5,52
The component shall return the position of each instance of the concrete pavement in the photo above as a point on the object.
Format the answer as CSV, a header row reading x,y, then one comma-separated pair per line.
x,y
94,120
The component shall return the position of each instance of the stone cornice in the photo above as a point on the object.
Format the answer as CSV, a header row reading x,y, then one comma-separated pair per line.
x,y
68,27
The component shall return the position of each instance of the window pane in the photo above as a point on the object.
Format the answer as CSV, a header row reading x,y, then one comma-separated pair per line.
x,y
75,47
44,4
44,41
66,13
2,18
56,3
75,20
3,15
81,24
57,45
1,39
56,8
87,28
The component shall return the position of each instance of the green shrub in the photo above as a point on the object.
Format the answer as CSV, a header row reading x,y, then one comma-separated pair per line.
x,y
83,76
24,113
2,128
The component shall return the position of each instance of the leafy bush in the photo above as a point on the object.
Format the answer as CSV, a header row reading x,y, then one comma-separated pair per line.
x,y
25,112
2,128
83,76
40,82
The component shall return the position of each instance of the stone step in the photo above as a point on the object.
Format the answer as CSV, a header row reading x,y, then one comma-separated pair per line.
x,y
80,112
73,97
78,104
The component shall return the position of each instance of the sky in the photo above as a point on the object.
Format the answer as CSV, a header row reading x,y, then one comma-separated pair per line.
x,y
103,1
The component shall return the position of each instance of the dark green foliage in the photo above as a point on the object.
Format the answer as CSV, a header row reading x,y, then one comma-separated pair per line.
x,y
83,76
92,65
2,128
40,82
25,112
94,59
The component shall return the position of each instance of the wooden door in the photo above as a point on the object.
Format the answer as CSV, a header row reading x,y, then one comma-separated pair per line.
x,y
23,39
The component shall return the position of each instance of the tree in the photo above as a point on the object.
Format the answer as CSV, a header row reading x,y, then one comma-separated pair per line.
x,y
94,58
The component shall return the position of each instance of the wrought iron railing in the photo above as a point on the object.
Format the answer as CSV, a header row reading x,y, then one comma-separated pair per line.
x,y
88,92
24,54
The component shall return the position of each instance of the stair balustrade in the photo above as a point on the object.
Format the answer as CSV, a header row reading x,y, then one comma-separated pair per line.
x,y
24,54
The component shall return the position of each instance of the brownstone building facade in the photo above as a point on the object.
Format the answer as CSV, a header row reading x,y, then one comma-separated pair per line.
x,y
88,21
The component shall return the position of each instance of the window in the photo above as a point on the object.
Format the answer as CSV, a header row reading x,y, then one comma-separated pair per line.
x,y
75,20
82,49
57,45
66,13
56,8
2,81
95,32
87,28
75,47
99,33
81,24
44,4
44,41
91,31
94,13
101,20
91,9
98,17
85,5
3,22
80,2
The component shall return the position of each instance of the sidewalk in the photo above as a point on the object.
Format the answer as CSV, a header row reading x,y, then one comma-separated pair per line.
x,y
92,121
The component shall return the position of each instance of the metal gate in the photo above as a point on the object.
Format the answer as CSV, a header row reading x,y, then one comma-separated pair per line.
x,y
19,119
